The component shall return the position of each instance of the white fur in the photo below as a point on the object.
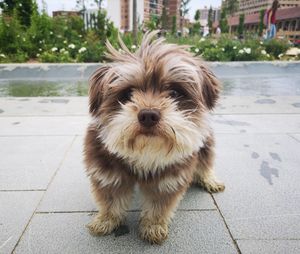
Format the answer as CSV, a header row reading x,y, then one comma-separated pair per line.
x,y
152,154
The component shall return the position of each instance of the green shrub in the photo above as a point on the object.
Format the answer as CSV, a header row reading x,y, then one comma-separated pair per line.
x,y
276,47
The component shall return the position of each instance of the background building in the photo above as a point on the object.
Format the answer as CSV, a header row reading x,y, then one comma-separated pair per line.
x,y
204,15
120,11
254,6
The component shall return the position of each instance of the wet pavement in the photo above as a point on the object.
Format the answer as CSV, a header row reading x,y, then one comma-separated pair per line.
x,y
45,201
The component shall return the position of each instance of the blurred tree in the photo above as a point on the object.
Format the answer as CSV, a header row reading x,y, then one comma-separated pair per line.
x,y
240,29
261,22
223,21
24,11
232,6
8,6
184,10
174,25
164,16
196,26
210,18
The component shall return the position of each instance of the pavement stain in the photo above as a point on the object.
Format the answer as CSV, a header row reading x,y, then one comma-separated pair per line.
x,y
275,156
265,101
254,155
267,172
16,123
64,101
233,123
296,105
1,111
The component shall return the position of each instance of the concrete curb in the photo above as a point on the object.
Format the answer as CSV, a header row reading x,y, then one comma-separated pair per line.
x,y
82,71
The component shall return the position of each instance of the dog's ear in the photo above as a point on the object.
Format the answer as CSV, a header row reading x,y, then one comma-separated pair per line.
x,y
96,88
210,88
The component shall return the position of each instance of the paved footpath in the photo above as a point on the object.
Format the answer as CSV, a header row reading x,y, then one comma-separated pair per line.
x,y
45,201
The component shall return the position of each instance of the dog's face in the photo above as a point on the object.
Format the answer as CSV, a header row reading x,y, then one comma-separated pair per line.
x,y
151,106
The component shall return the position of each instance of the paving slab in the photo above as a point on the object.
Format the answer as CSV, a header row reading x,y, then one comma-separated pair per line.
x,y
261,173
76,125
78,106
190,232
28,163
296,136
269,246
45,106
70,190
258,105
258,123
43,125
15,211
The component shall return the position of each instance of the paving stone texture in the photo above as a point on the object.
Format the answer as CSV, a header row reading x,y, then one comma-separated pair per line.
x,y
45,200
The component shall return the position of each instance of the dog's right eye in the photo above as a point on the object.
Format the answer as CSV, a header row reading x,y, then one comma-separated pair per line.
x,y
125,96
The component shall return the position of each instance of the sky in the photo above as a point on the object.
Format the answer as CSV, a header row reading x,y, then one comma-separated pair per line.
x,y
53,5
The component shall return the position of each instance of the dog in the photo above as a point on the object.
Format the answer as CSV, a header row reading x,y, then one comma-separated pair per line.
x,y
150,127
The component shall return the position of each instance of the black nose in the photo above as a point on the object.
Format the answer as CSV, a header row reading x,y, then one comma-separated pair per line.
x,y
148,117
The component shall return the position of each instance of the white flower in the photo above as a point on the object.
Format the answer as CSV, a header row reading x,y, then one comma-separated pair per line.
x,y
20,4
241,51
235,47
71,46
18,36
196,50
2,55
66,52
81,50
24,39
261,43
268,55
263,52
51,32
54,49
37,55
133,47
79,35
40,49
247,50
202,39
280,55
40,42
62,50
222,49
65,42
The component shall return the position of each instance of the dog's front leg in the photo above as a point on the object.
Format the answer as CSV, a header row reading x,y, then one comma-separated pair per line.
x,y
113,200
158,209
204,174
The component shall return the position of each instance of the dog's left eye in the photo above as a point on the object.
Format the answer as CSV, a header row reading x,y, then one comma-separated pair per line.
x,y
125,96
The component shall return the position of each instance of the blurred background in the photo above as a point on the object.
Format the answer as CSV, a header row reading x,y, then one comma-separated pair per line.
x,y
76,30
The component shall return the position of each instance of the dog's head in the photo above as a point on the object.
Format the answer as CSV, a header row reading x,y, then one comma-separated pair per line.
x,y
151,105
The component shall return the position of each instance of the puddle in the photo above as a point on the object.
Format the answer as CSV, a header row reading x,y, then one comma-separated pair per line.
x,y
275,156
267,172
43,88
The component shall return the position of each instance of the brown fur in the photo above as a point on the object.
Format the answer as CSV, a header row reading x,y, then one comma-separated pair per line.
x,y
163,160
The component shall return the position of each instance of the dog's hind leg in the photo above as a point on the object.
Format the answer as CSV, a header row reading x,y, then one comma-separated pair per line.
x,y
113,199
204,174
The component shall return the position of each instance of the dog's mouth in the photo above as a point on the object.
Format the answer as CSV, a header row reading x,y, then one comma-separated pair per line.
x,y
148,132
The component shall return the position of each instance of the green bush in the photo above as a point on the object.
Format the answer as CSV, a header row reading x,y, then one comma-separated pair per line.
x,y
276,47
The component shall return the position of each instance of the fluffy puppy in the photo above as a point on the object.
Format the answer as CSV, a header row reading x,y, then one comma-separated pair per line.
x,y
149,127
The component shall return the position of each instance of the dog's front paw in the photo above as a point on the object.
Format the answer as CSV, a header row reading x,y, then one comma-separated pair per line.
x,y
212,185
153,233
103,225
